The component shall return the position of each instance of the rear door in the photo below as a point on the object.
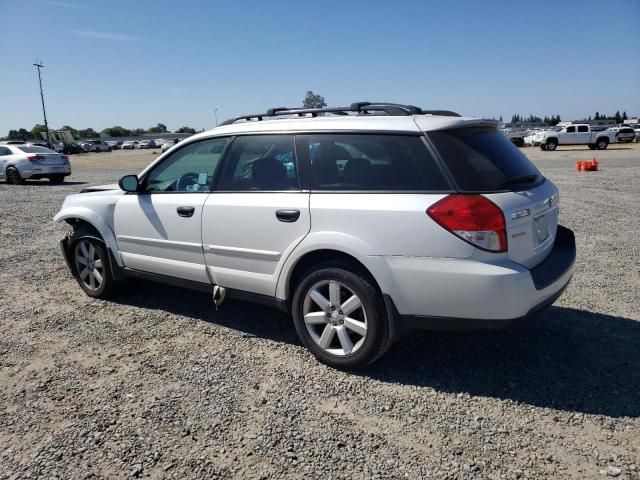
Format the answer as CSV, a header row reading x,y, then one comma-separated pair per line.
x,y
583,135
482,161
257,214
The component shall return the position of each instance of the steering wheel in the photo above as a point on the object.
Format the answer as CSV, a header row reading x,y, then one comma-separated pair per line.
x,y
186,180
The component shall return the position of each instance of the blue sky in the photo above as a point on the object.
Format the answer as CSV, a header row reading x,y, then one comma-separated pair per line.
x,y
138,63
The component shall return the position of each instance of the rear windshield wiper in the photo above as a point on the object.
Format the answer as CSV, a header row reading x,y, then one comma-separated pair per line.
x,y
520,179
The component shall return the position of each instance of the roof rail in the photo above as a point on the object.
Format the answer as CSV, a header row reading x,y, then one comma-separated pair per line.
x,y
360,108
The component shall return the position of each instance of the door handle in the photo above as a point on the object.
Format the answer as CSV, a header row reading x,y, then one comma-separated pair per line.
x,y
288,216
185,211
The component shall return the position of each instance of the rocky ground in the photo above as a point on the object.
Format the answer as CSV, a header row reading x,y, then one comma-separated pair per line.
x,y
158,384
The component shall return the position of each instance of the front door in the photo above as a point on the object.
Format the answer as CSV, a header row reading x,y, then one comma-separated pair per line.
x,y
159,229
256,216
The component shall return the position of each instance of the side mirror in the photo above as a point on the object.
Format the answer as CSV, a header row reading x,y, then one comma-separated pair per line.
x,y
129,183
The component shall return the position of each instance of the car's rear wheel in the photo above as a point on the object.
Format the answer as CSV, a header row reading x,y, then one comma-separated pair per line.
x,y
602,144
90,264
551,145
13,176
56,179
340,317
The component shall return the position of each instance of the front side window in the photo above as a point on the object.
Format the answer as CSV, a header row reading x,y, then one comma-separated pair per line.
x,y
370,162
190,169
261,163
571,129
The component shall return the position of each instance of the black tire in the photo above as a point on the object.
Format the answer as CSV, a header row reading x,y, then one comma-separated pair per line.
x,y
56,179
551,145
543,147
376,340
84,235
592,146
602,143
13,176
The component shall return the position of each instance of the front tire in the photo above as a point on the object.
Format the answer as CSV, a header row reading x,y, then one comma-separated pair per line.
x,y
340,317
602,144
13,176
90,265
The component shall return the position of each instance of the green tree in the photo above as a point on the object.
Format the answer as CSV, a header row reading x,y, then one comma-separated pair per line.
x,y
117,131
618,117
624,116
312,100
37,129
87,133
20,134
138,131
159,128
186,130
597,116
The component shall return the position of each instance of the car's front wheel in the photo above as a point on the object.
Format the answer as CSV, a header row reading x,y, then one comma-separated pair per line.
x,y
90,263
340,317
602,144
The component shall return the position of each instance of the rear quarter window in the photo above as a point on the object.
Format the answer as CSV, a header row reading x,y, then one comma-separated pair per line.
x,y
481,159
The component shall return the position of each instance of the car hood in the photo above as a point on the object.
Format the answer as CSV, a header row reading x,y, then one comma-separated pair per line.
x,y
100,188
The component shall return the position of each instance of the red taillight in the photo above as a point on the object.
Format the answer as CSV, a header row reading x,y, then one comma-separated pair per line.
x,y
33,158
473,218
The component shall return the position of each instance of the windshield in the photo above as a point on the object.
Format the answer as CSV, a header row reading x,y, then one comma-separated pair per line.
x,y
481,159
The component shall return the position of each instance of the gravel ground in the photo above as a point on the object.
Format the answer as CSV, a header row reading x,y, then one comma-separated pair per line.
x,y
158,384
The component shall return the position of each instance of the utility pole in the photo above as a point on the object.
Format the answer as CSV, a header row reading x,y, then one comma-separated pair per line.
x,y
46,125
215,113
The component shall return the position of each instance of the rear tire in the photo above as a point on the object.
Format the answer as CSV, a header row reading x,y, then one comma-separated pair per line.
x,y
90,265
56,179
602,144
340,316
13,176
551,145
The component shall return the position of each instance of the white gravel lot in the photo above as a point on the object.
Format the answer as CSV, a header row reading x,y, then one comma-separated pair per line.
x,y
158,384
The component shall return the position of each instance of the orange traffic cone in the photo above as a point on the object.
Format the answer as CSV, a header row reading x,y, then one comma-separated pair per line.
x,y
594,164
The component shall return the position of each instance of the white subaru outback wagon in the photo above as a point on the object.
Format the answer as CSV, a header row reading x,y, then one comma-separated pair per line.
x,y
363,222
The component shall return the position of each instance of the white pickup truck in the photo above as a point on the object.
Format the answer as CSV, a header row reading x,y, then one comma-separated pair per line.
x,y
577,134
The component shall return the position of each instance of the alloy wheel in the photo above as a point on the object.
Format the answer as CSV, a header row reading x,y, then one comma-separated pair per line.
x,y
338,327
89,265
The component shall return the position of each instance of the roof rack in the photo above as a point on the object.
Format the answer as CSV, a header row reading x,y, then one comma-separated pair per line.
x,y
359,108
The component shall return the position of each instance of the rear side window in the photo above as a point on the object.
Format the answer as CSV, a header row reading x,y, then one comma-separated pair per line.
x,y
369,162
583,129
484,160
260,163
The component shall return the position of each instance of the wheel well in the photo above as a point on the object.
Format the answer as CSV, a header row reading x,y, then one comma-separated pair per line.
x,y
606,139
78,224
311,259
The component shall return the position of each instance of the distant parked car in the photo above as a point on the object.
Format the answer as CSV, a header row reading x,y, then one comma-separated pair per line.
x,y
636,129
28,161
129,145
623,134
115,145
168,144
95,146
147,144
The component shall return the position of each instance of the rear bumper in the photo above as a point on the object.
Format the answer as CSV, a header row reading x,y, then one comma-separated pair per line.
x,y
45,171
464,294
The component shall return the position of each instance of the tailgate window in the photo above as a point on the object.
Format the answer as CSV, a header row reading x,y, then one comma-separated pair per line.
x,y
481,159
